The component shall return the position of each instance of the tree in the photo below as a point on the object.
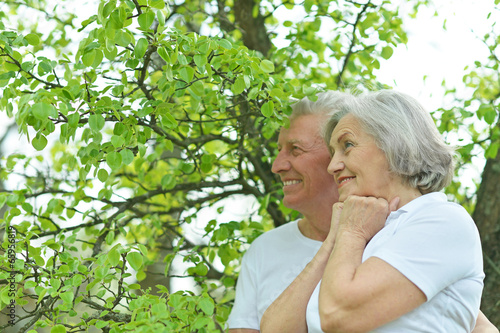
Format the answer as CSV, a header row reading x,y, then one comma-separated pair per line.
x,y
476,118
142,114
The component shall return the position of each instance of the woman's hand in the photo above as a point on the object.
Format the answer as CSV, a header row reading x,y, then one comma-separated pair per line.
x,y
334,224
364,216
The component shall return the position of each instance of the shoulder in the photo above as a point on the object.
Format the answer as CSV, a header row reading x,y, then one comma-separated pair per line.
x,y
448,220
280,233
435,207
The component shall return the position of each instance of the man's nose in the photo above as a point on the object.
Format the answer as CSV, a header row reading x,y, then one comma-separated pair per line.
x,y
280,163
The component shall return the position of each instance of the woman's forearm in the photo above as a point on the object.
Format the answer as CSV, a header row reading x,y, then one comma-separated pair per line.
x,y
338,278
358,296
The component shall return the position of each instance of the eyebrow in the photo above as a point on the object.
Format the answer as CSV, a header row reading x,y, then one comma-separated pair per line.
x,y
339,139
343,135
290,142
293,141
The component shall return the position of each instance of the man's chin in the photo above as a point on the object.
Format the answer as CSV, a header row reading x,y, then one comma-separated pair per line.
x,y
292,203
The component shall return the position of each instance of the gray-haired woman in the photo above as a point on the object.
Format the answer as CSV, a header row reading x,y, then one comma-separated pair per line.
x,y
404,259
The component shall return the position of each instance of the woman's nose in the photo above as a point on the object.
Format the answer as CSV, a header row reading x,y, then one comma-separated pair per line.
x,y
335,165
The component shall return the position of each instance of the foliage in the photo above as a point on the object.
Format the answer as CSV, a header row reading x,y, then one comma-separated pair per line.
x,y
143,115
472,119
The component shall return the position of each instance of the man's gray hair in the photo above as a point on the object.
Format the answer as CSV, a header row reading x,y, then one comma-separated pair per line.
x,y
325,104
406,133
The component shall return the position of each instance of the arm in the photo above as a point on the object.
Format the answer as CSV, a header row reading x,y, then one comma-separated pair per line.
x,y
242,330
288,312
356,296
483,325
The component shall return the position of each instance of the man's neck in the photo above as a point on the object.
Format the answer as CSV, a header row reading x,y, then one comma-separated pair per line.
x,y
315,228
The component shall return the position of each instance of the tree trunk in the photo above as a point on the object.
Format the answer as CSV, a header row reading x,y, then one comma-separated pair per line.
x,y
487,217
255,35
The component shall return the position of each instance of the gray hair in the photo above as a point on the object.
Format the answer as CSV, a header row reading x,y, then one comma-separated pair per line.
x,y
406,133
325,104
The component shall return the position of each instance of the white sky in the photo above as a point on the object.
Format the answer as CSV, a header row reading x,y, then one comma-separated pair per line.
x,y
437,53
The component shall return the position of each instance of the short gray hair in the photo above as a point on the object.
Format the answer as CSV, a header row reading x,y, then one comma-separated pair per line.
x,y
406,133
325,104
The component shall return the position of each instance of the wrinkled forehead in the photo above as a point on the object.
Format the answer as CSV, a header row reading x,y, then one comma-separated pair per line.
x,y
306,132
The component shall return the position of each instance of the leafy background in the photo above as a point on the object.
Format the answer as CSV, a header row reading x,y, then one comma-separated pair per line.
x,y
144,117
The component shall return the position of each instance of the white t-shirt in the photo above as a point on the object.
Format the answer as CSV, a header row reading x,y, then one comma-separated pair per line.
x,y
436,245
271,263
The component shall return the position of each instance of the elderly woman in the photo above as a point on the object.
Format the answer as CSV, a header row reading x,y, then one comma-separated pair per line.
x,y
405,259
399,256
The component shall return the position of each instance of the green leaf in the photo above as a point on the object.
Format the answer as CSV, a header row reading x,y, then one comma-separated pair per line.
x,y
146,19
101,324
67,297
114,257
110,237
30,284
33,39
39,142
158,4
77,280
141,48
267,66
225,44
163,53
117,141
168,182
58,329
238,86
187,74
55,283
207,306
135,260
122,38
490,115
96,122
127,156
97,59
102,175
43,110
492,151
200,60
169,121
114,160
267,109
387,52
88,58
117,18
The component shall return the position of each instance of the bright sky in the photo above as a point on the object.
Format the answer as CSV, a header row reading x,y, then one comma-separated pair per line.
x,y
437,53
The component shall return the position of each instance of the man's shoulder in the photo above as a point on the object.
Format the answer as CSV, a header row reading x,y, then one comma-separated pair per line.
x,y
278,232
275,238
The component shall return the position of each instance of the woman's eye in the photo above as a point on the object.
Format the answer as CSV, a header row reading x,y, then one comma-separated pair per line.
x,y
348,144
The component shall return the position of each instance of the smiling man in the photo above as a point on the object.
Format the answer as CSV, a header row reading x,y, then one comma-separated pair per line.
x,y
276,258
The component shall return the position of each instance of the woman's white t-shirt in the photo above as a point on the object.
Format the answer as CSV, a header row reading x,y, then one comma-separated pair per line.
x,y
436,245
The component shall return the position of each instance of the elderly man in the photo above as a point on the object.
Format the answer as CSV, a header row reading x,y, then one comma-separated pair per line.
x,y
276,258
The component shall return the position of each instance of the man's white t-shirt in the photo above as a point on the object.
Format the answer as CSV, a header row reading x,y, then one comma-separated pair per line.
x,y
436,245
271,263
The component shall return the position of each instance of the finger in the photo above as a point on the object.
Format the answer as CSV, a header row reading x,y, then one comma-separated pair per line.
x,y
393,205
336,211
